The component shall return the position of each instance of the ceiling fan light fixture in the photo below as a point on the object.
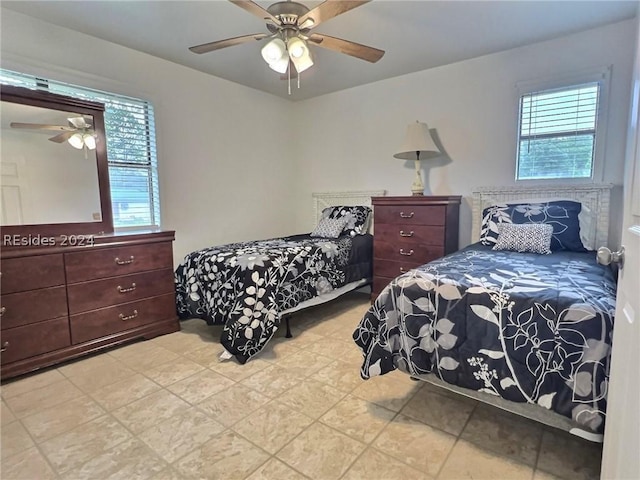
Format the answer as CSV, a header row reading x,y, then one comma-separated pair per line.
x,y
89,140
274,51
297,48
76,141
304,62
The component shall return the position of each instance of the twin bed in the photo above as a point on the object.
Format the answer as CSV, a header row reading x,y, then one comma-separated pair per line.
x,y
527,332
250,287
519,330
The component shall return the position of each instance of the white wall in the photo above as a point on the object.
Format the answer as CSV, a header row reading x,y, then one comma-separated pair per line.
x,y
347,139
222,176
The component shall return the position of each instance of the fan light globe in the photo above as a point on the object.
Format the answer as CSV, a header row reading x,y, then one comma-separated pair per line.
x,y
300,54
274,51
296,47
76,141
89,140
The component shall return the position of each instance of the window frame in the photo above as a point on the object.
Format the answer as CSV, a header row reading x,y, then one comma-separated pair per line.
x,y
602,77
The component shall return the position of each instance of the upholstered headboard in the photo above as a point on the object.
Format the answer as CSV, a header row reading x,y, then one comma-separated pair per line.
x,y
596,197
322,200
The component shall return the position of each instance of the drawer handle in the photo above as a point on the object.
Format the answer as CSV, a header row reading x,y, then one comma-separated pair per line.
x,y
405,234
124,318
406,254
2,311
5,346
404,215
124,262
125,290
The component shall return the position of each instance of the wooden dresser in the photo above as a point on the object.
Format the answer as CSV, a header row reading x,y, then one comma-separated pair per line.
x,y
411,231
60,302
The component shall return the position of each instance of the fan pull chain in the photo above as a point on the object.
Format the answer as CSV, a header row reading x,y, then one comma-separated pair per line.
x,y
289,78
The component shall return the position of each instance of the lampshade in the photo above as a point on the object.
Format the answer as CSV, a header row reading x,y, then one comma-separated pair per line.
x,y
275,54
418,143
281,65
89,140
299,53
76,141
274,50
296,47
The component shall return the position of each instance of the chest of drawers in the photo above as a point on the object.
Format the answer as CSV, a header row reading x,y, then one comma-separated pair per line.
x,y
62,302
411,231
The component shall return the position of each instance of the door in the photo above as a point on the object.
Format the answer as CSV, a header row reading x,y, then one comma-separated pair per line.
x,y
621,455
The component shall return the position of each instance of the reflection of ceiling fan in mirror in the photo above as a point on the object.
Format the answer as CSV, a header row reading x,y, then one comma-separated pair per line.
x,y
78,133
290,24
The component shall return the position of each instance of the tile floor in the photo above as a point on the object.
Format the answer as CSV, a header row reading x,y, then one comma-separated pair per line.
x,y
166,409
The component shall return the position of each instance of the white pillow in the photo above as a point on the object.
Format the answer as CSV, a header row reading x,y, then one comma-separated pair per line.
x,y
525,237
330,227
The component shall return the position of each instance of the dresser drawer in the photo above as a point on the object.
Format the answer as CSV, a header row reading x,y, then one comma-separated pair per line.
x,y
409,215
34,306
113,291
28,273
107,321
112,262
409,234
412,253
30,340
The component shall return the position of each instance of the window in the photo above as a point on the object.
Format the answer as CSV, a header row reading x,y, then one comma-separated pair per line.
x,y
131,149
559,132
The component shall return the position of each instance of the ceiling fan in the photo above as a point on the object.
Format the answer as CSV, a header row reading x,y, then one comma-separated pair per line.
x,y
290,24
78,133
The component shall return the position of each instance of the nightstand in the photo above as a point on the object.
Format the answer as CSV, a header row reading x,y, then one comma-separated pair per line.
x,y
409,232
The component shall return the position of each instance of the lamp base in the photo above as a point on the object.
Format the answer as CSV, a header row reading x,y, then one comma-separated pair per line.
x,y
417,194
417,187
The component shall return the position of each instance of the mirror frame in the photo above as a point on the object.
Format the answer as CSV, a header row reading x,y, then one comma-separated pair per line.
x,y
44,99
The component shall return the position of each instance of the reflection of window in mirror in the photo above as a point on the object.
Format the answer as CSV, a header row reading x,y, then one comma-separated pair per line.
x,y
46,178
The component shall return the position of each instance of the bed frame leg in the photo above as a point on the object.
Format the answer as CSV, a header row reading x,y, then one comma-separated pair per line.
x,y
288,334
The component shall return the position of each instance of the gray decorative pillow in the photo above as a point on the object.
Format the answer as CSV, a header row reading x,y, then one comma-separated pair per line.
x,y
525,237
329,227
358,217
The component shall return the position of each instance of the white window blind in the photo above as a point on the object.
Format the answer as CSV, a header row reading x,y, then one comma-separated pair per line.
x,y
131,149
557,134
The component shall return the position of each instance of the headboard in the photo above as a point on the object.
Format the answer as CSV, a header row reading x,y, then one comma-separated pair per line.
x,y
594,196
322,200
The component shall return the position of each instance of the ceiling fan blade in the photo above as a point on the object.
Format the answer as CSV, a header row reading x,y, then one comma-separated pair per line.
x,y
354,49
64,136
327,10
229,42
39,126
256,10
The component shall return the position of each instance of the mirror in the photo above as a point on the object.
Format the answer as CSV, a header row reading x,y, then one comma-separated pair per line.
x,y
54,172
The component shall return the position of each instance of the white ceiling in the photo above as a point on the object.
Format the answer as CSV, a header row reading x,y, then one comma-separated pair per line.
x,y
416,35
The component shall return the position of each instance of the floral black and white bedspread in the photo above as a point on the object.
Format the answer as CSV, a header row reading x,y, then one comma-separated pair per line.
x,y
527,327
245,286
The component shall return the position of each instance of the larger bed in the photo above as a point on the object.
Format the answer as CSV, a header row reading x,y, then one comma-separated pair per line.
x,y
519,330
249,287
